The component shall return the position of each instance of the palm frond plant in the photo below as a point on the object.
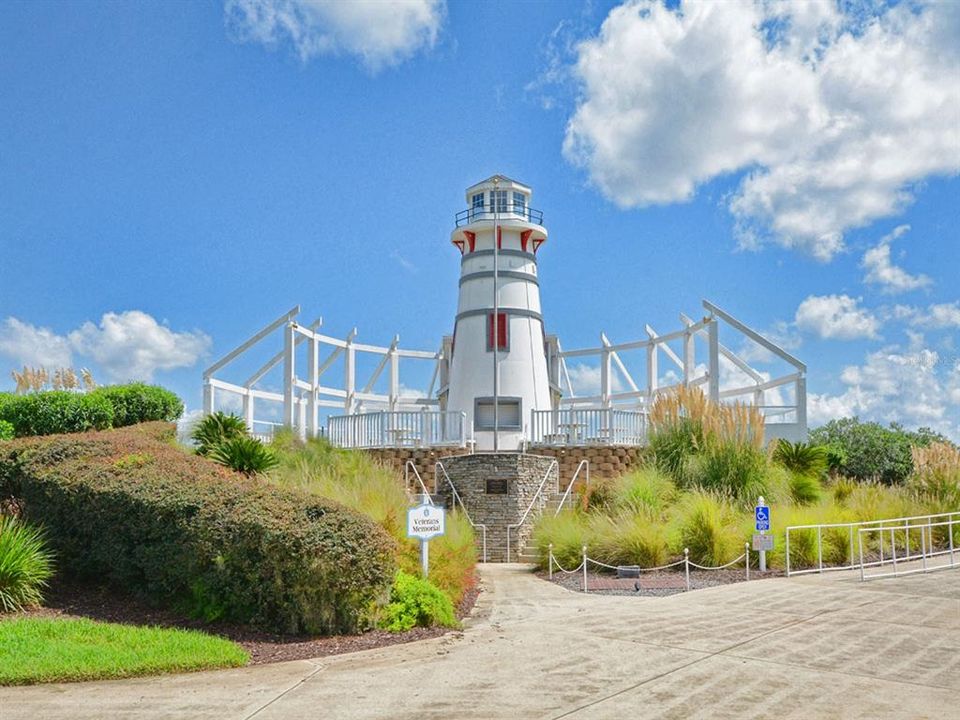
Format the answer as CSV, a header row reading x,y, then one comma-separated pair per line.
x,y
25,565
244,454
215,429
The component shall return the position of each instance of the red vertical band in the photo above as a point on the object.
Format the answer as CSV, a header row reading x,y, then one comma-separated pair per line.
x,y
471,239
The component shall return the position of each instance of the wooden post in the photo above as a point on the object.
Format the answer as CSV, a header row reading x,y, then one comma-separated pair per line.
x,y
350,373
394,374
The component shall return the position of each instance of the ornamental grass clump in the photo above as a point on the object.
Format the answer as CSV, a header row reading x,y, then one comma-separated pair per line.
x,y
25,564
707,524
416,602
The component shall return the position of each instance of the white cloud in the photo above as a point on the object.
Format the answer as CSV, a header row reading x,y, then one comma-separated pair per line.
x,y
34,346
938,316
881,270
586,379
833,117
377,32
132,345
837,317
894,385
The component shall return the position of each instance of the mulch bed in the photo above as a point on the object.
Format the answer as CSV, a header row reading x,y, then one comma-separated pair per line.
x,y
651,584
68,599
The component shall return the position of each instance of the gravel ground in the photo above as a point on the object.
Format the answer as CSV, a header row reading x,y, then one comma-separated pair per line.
x,y
64,599
654,584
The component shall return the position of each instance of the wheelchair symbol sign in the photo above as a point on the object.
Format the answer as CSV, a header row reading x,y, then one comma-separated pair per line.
x,y
763,517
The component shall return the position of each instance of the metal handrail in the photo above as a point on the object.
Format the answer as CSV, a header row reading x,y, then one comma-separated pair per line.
x,y
926,548
536,495
406,478
487,212
458,499
566,494
851,525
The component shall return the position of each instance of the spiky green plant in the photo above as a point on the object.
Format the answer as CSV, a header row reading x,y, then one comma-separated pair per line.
x,y
25,564
801,457
707,524
244,454
215,429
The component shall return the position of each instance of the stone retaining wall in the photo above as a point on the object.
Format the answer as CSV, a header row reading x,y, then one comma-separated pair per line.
x,y
605,461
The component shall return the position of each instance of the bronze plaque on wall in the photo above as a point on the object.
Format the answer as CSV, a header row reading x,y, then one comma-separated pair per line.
x,y
496,486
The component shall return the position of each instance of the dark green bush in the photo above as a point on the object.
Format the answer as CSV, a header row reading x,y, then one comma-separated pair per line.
x,y
415,602
137,403
6,430
25,564
869,451
216,428
244,454
56,411
182,531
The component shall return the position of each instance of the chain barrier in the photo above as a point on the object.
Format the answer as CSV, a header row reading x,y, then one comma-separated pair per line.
x,y
685,561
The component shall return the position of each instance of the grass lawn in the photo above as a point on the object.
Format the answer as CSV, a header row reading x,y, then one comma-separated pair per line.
x,y
36,650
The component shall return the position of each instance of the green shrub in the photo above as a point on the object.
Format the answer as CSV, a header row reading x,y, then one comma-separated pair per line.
x,y
353,478
215,429
6,430
730,469
25,564
805,489
244,454
645,490
628,539
869,451
801,457
56,411
137,403
180,530
568,532
706,524
415,602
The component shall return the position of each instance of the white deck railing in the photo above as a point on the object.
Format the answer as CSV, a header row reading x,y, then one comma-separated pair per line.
x,y
588,426
415,428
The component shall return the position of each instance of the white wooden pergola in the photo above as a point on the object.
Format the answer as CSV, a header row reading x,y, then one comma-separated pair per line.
x,y
693,355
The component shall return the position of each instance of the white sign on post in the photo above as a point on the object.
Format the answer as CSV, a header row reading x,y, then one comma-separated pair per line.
x,y
424,522
762,543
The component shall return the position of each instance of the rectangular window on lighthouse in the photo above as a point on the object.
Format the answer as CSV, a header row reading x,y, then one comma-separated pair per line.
x,y
503,332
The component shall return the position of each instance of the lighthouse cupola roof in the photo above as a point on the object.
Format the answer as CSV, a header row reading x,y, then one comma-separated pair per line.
x,y
502,200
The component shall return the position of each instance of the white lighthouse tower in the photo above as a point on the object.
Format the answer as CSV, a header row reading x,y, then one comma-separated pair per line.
x,y
498,368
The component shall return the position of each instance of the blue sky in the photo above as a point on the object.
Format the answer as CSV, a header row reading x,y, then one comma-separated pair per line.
x,y
175,175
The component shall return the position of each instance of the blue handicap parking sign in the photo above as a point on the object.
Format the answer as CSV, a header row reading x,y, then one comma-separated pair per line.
x,y
763,517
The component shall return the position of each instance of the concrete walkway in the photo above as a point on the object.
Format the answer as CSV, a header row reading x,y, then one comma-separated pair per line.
x,y
810,647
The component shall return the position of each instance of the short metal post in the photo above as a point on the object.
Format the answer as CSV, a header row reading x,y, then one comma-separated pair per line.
x,y
686,566
550,561
860,542
893,551
746,562
787,549
923,547
851,546
584,568
950,524
819,549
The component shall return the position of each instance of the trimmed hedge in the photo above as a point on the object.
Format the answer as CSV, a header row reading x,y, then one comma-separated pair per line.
x,y
61,411
138,403
182,531
56,411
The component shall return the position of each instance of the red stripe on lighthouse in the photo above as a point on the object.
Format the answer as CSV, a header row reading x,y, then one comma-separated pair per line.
x,y
499,238
471,239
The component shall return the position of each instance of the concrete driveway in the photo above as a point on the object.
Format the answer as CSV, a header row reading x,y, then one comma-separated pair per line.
x,y
811,647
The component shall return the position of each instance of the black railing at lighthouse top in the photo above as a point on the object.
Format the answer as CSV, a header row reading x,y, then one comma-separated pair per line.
x,y
506,211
